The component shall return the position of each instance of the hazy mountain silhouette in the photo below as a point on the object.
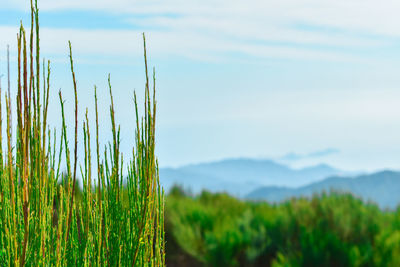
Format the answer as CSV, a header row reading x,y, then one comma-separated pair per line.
x,y
382,188
240,176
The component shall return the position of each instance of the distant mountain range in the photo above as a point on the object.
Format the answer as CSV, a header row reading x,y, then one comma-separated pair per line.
x,y
382,188
241,176
275,182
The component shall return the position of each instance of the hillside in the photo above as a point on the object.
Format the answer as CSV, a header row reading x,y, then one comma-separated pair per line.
x,y
381,187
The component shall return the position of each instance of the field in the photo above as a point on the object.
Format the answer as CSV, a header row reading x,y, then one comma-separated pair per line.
x,y
103,209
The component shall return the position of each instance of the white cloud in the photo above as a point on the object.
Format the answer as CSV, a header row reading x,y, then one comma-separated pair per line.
x,y
366,15
197,46
207,29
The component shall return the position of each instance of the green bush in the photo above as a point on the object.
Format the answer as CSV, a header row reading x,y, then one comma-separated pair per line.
x,y
326,230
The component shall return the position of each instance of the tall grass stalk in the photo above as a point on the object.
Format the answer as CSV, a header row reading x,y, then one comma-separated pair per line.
x,y
116,220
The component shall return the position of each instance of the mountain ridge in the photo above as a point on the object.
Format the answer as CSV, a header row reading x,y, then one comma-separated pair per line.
x,y
380,187
239,176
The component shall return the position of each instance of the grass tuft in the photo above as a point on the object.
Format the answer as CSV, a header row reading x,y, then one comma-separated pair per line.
x,y
45,218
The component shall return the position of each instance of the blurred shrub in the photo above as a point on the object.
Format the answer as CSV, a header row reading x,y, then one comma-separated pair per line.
x,y
327,230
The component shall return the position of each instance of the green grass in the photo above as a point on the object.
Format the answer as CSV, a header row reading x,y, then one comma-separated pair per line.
x,y
116,220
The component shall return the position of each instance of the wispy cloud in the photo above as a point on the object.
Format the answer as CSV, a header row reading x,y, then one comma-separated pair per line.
x,y
208,29
312,155
198,46
364,15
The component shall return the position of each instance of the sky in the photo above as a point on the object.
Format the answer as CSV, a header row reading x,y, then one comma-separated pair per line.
x,y
237,78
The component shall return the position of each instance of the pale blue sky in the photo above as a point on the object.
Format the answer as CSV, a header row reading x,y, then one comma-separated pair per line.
x,y
235,78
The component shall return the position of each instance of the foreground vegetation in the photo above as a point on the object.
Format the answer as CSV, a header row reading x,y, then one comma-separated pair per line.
x,y
327,230
115,221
